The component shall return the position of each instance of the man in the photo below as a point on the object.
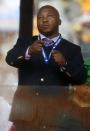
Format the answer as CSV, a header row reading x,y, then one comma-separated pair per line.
x,y
49,59
46,60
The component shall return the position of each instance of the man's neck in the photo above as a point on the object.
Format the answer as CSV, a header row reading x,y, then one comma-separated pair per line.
x,y
51,36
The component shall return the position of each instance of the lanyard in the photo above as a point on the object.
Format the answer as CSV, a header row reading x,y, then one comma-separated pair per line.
x,y
46,59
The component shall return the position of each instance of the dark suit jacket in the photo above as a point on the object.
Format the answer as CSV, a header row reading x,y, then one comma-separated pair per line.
x,y
36,72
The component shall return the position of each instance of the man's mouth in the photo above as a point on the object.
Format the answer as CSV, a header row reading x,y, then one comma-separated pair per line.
x,y
45,26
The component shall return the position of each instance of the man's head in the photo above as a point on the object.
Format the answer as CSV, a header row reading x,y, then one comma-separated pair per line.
x,y
48,21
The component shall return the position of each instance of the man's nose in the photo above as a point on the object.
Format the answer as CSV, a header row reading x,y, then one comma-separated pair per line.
x,y
45,19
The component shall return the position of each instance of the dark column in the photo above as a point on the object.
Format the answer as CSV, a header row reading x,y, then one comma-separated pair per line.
x,y
26,15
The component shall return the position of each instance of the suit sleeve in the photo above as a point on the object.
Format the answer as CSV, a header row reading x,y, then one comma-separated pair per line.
x,y
74,68
16,56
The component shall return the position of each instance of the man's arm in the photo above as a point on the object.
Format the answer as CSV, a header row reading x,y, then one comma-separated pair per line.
x,y
16,56
74,68
20,54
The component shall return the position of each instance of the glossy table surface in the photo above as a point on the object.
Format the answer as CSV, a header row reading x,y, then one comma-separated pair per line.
x,y
38,106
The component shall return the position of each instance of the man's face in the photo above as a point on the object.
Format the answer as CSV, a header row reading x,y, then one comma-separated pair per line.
x,y
48,21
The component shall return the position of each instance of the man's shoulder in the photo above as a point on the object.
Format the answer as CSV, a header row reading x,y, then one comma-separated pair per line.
x,y
70,44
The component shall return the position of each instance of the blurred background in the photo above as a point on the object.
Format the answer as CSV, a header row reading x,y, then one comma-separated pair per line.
x,y
75,16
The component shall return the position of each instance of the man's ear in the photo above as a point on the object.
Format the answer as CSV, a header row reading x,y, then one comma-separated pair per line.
x,y
59,21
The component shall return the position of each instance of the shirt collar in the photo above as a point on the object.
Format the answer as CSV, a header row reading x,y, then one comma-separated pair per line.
x,y
54,39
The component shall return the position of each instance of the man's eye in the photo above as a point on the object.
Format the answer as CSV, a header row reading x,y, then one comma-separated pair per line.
x,y
40,17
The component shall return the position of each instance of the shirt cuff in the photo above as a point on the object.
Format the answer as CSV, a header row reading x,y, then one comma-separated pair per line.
x,y
64,69
27,56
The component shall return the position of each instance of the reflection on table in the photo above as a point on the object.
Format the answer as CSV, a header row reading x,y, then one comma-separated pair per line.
x,y
51,108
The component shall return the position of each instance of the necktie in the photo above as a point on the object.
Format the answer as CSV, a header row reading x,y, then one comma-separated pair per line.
x,y
48,42
48,46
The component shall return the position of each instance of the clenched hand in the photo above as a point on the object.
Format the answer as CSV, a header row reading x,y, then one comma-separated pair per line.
x,y
36,47
58,57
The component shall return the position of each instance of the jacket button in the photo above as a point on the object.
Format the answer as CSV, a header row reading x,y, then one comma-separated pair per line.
x,y
44,127
11,63
42,79
37,94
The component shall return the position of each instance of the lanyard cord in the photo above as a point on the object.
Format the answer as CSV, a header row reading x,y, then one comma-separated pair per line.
x,y
46,59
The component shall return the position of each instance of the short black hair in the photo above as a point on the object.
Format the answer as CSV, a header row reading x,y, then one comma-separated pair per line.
x,y
49,6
